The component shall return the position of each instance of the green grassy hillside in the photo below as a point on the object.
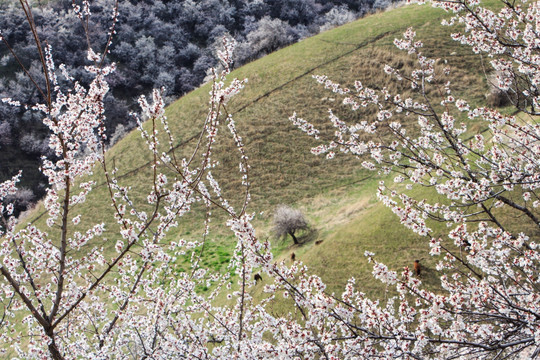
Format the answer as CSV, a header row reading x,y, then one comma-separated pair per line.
x,y
337,196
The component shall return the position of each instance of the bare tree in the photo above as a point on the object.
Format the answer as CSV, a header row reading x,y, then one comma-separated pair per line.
x,y
287,220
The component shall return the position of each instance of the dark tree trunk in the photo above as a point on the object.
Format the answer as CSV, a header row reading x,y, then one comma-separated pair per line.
x,y
55,353
293,237
53,349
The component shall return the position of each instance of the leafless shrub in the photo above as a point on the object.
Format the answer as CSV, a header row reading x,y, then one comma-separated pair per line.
x,y
338,16
33,144
5,134
119,133
22,199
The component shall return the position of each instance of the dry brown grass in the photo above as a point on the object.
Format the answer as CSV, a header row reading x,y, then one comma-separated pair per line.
x,y
283,170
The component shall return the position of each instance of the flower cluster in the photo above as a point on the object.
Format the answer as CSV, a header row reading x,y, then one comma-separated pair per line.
x,y
64,295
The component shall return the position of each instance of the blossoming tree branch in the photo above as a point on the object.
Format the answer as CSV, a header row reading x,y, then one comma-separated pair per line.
x,y
64,297
489,303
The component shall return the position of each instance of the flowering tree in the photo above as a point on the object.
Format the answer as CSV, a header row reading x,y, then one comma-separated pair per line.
x,y
287,220
488,306
64,297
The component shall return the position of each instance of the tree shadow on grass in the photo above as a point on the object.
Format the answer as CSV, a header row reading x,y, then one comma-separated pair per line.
x,y
304,237
309,235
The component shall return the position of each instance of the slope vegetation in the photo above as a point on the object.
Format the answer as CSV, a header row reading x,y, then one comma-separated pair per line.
x,y
337,196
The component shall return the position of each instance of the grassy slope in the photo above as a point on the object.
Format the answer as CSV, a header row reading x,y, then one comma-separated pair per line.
x,y
337,196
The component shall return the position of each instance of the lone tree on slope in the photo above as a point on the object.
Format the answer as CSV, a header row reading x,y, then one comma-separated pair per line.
x,y
287,220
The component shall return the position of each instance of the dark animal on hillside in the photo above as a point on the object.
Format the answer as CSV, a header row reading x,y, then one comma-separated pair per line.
x,y
257,277
318,242
417,267
293,257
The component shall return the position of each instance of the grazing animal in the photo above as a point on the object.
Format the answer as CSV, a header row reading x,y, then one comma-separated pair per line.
x,y
417,267
318,242
257,277
293,257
